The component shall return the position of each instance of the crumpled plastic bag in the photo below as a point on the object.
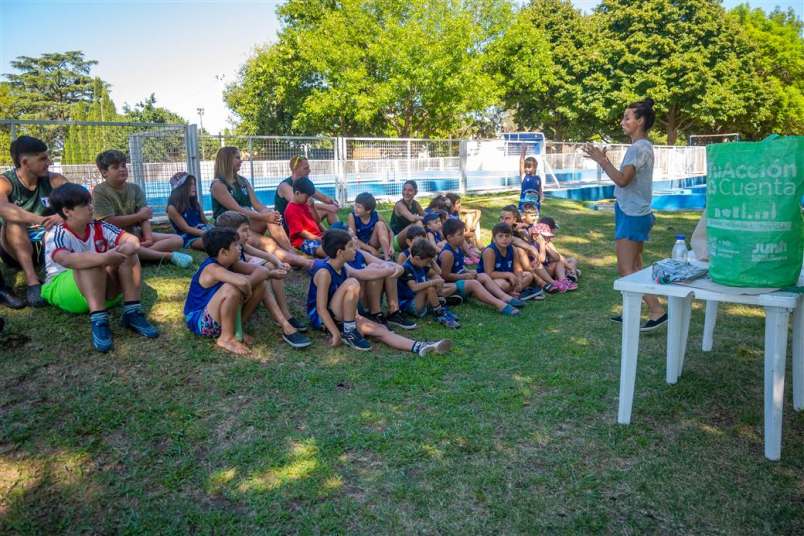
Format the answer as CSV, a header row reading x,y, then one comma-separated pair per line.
x,y
671,271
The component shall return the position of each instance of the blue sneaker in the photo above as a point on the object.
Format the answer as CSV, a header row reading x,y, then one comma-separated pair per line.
x,y
509,310
531,293
515,302
102,334
182,260
136,322
448,321
450,314
356,340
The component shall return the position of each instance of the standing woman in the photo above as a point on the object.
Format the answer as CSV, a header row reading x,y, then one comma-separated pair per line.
x,y
633,191
231,191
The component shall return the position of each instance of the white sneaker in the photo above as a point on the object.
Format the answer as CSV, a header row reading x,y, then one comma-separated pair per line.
x,y
440,347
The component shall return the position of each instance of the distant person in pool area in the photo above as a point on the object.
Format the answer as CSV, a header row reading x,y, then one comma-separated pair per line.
x,y
407,212
231,191
633,191
531,190
326,208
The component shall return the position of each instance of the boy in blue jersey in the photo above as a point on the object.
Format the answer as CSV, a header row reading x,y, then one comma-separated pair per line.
x,y
469,282
421,284
217,294
501,264
372,233
411,234
332,302
531,190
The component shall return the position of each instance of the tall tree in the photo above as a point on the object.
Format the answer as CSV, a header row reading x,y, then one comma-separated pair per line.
x,y
83,143
373,67
685,54
45,87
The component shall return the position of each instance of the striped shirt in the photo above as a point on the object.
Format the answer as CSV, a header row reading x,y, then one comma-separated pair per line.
x,y
98,237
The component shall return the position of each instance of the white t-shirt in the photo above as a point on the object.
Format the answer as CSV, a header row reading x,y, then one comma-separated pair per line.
x,y
635,198
99,237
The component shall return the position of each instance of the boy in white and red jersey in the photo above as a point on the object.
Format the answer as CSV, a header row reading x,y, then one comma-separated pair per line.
x,y
92,265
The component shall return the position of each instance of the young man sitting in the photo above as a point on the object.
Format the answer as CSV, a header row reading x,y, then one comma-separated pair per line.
x,y
24,194
92,266
123,204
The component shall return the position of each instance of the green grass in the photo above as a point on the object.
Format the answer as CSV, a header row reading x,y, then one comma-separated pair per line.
x,y
513,432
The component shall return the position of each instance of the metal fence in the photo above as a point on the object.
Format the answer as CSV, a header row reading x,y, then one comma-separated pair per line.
x,y
342,167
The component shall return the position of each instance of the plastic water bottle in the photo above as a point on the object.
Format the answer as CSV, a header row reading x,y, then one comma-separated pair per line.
x,y
680,249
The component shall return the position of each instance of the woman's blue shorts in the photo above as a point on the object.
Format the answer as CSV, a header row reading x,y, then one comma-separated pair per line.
x,y
635,228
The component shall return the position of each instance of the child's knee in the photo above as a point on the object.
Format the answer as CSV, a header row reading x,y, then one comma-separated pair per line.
x,y
352,286
484,279
230,291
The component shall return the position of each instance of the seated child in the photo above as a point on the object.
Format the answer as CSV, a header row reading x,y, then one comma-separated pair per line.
x,y
500,263
421,284
372,233
123,204
553,262
332,302
184,211
92,266
570,263
407,212
531,189
471,220
469,282
303,228
413,232
376,277
252,259
526,248
219,299
433,223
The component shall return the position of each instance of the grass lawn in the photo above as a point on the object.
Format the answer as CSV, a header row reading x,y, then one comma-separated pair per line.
x,y
512,432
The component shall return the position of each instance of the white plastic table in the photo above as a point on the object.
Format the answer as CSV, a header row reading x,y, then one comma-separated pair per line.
x,y
778,305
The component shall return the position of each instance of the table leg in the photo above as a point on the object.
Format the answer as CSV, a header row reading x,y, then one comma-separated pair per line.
x,y
675,334
776,319
685,333
632,303
798,357
709,326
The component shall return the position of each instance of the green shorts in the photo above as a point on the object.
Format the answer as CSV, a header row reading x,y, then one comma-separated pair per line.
x,y
63,292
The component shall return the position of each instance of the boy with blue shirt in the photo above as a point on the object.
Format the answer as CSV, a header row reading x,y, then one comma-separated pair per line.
x,y
418,290
332,302
91,266
218,298
372,233
501,264
531,190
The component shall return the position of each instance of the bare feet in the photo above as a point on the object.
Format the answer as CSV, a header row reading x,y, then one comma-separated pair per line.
x,y
232,345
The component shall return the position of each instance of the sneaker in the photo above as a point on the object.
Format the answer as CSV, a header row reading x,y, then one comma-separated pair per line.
x,y
398,319
102,335
570,285
561,285
509,310
551,288
136,321
33,295
450,313
650,325
516,302
618,319
11,300
297,324
182,260
448,321
438,347
378,318
531,293
356,340
573,278
297,340
453,300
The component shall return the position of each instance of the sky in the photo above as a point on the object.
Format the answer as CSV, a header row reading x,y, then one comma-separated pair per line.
x,y
183,51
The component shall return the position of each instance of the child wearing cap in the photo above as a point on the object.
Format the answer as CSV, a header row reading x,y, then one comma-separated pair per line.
x,y
123,204
184,211
303,228
433,223
371,231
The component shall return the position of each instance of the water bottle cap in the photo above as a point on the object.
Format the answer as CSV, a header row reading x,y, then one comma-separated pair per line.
x,y
679,237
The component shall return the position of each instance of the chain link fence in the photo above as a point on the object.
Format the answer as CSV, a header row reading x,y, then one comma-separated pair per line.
x,y
341,167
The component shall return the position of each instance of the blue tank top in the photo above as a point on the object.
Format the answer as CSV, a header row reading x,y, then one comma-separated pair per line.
x,y
364,230
501,263
359,261
191,216
337,279
436,235
198,296
457,258
411,273
530,184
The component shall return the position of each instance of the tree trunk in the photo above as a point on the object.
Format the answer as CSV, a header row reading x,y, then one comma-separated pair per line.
x,y
672,125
